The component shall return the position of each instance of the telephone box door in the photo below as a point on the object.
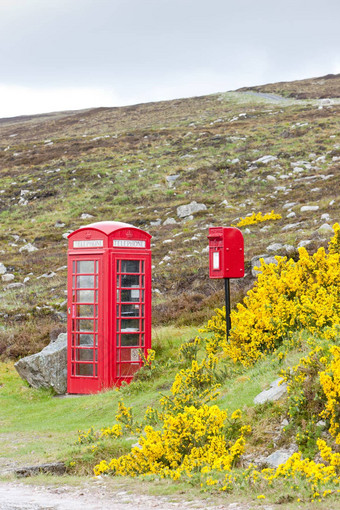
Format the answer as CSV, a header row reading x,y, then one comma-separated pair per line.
x,y
131,314
85,324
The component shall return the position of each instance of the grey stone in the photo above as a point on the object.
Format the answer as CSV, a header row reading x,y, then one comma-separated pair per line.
x,y
86,216
278,457
28,247
275,247
275,392
47,368
289,249
190,209
288,205
255,262
265,159
170,221
304,243
171,179
54,468
14,286
156,223
3,268
59,224
271,178
289,226
8,277
51,274
325,217
325,229
306,208
291,215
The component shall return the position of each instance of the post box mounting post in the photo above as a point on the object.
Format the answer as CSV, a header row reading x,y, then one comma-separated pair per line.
x,y
227,306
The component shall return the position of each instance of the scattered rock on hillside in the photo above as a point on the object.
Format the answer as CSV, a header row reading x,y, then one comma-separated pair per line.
x,y
265,159
255,262
325,229
86,216
189,209
50,274
28,247
59,224
171,179
3,268
307,208
304,243
274,247
8,277
47,368
14,286
170,221
279,457
275,392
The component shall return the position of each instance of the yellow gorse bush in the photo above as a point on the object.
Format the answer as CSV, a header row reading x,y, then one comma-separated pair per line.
x,y
258,218
286,297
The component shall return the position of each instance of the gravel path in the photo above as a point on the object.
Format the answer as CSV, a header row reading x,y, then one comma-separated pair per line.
x,y
18,496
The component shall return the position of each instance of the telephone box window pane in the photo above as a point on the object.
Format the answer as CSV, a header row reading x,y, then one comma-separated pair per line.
x,y
84,369
130,266
85,296
117,370
130,325
85,339
130,296
117,340
85,282
130,340
85,311
118,293
130,310
85,266
118,266
130,280
85,325
142,271
118,281
84,355
129,369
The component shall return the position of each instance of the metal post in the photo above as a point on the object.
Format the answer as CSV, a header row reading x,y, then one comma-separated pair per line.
x,y
227,305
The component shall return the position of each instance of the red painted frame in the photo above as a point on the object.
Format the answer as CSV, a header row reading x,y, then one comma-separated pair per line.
x,y
107,243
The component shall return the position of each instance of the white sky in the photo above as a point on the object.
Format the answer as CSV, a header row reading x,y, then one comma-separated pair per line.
x,y
72,54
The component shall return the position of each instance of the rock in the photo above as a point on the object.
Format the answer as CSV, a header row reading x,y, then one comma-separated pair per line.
x,y
284,422
275,392
278,457
325,229
50,274
289,226
156,223
28,247
271,178
54,468
291,215
66,234
288,205
170,221
255,262
171,179
189,209
86,216
274,247
235,161
47,368
205,250
321,423
289,249
325,217
265,159
3,268
59,224
14,286
7,277
302,244
307,208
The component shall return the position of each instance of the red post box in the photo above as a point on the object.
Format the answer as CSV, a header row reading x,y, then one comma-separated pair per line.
x,y
226,252
109,305
226,260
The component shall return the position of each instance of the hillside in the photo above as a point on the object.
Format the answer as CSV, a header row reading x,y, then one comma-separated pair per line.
x,y
114,164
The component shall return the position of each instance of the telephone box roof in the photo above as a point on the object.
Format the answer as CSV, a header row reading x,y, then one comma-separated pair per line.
x,y
107,227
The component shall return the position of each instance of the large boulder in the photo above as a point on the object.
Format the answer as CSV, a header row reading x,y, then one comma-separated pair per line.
x,y
47,368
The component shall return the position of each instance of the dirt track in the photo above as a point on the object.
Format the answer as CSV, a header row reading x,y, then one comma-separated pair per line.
x,y
18,496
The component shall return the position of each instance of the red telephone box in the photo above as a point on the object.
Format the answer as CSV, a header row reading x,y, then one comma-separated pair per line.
x,y
226,252
109,305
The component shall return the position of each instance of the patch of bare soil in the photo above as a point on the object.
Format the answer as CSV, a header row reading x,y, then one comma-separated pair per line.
x,y
15,496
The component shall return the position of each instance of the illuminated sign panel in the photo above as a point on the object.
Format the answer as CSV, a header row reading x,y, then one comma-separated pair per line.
x,y
126,243
95,243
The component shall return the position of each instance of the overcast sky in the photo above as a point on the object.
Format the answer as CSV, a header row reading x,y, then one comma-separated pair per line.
x,y
71,54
